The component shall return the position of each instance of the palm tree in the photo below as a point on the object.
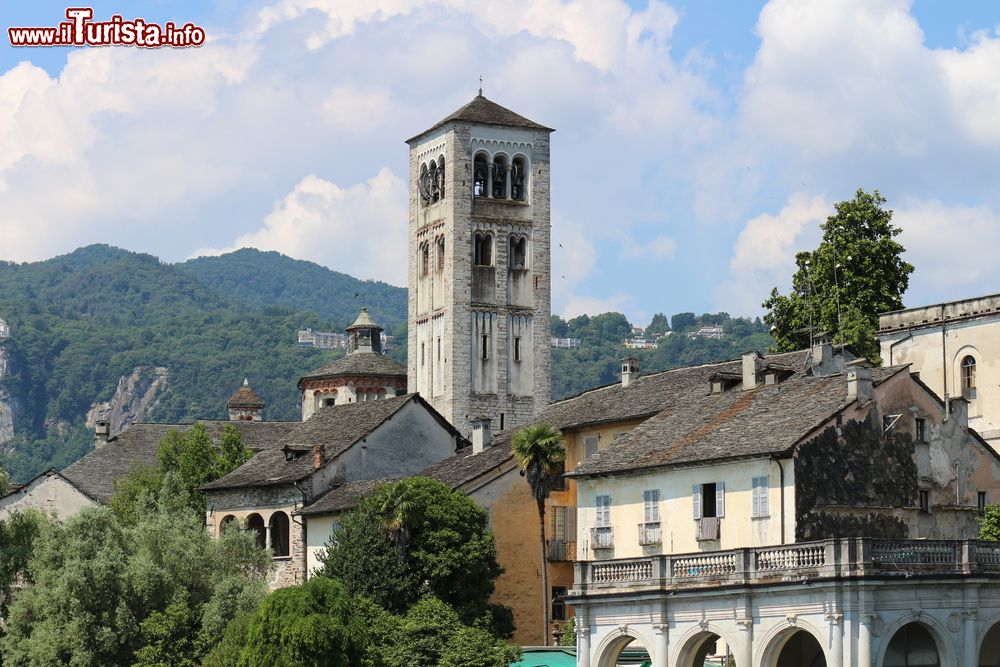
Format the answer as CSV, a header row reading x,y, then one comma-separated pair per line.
x,y
539,451
396,513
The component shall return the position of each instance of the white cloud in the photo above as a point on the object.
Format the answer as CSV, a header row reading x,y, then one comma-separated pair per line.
x,y
764,254
346,228
952,247
661,247
592,305
353,109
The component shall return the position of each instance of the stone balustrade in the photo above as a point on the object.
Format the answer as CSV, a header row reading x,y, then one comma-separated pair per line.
x,y
837,558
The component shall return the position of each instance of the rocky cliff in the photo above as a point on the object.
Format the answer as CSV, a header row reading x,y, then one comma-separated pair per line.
x,y
6,400
134,397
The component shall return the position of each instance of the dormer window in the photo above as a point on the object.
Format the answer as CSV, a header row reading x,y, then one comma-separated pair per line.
x,y
500,177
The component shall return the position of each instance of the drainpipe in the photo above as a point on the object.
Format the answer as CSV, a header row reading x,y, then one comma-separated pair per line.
x,y
944,366
781,501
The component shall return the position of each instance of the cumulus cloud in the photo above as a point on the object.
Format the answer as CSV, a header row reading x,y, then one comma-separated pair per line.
x,y
764,254
345,228
660,247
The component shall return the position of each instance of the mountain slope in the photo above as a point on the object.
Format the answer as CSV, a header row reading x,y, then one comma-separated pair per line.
x,y
259,279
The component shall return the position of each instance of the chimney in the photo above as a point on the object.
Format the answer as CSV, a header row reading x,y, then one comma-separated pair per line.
x,y
481,435
859,384
959,410
630,370
102,433
822,354
750,369
319,457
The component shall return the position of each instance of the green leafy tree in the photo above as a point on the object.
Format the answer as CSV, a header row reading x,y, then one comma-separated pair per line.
x,y
681,321
4,481
17,537
659,324
308,625
192,460
989,524
856,273
448,551
539,452
104,593
568,637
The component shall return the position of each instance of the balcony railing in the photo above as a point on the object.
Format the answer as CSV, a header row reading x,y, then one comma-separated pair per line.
x,y
838,558
649,533
602,537
562,550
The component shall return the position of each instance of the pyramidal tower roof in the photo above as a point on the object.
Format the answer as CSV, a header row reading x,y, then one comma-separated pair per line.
x,y
245,397
483,111
364,321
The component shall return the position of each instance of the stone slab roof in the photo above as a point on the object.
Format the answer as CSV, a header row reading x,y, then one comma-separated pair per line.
x,y
344,497
483,111
358,363
336,428
95,473
698,426
245,397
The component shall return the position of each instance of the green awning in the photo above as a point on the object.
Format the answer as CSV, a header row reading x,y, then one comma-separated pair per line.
x,y
547,657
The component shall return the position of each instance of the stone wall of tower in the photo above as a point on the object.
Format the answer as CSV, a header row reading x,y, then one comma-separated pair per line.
x,y
459,302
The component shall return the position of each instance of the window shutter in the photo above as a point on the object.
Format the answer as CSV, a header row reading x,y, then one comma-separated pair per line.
x,y
720,499
558,523
763,504
755,498
603,510
651,500
591,446
571,524
696,497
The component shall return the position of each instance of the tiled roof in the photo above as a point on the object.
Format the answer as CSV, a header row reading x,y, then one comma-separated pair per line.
x,y
95,473
344,497
245,397
335,428
465,466
359,363
486,112
698,426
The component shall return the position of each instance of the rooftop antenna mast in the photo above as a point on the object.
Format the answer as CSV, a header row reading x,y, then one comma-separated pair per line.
x,y
480,85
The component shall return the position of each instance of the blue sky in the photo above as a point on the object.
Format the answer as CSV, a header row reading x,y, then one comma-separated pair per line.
x,y
698,144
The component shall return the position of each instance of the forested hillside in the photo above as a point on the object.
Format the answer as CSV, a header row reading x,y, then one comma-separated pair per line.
x,y
259,279
82,321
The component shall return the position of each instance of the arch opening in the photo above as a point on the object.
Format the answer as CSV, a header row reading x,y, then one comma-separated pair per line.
x,y
989,652
913,645
518,177
801,649
228,522
480,172
626,651
500,177
969,376
279,534
708,648
255,524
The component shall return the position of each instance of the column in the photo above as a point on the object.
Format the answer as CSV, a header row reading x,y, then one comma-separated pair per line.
x,y
659,656
582,641
865,639
267,536
743,650
969,649
508,185
836,639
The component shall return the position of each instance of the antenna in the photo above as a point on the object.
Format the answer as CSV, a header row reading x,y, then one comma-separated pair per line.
x,y
480,85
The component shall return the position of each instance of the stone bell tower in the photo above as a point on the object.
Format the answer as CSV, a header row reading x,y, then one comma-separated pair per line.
x,y
479,266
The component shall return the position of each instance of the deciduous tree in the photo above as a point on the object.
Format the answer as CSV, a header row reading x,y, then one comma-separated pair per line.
x,y
856,273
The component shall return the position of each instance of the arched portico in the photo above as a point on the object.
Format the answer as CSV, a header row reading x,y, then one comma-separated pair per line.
x,y
795,647
704,641
916,640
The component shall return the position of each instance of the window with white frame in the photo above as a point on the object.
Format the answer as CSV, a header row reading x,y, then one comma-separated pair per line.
x,y
651,504
603,504
759,507
709,500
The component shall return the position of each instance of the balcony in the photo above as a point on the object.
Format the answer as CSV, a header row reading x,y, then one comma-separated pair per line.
x,y
602,537
561,550
829,559
649,534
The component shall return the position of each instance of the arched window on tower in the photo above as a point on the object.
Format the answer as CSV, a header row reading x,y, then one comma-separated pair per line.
x,y
480,175
434,184
440,253
440,177
518,252
424,184
483,255
969,377
425,259
499,177
518,178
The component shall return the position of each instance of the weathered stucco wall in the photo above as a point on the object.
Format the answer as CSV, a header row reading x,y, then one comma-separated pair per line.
x,y
50,494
